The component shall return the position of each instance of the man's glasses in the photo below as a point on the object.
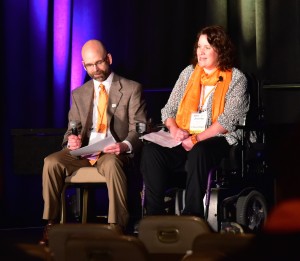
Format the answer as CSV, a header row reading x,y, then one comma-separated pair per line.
x,y
90,66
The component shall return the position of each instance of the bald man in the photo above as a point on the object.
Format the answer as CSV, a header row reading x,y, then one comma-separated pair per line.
x,y
125,108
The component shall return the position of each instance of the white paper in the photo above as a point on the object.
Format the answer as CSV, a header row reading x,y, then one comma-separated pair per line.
x,y
93,148
161,138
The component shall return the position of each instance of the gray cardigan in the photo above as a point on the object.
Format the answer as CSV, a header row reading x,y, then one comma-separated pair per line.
x,y
236,103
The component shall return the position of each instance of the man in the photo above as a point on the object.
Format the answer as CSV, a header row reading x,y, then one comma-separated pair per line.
x,y
124,107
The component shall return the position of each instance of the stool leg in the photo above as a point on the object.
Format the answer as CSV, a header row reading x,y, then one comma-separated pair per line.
x,y
63,205
143,199
84,205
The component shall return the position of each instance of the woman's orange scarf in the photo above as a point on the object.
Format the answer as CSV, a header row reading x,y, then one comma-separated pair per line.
x,y
191,96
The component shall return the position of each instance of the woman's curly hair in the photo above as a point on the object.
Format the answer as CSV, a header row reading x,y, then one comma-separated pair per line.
x,y
222,44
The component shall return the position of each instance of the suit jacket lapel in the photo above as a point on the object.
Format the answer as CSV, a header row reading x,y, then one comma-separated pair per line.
x,y
114,97
87,98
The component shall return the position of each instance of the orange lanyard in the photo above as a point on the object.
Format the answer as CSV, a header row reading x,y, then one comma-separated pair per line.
x,y
203,99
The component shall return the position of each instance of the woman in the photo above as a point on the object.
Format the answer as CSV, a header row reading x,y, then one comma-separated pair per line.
x,y
204,108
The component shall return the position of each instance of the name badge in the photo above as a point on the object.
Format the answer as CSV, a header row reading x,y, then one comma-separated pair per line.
x,y
198,122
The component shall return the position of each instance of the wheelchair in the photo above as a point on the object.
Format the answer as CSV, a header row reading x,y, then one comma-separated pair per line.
x,y
235,199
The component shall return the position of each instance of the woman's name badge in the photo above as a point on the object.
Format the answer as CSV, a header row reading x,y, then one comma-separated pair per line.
x,y
198,122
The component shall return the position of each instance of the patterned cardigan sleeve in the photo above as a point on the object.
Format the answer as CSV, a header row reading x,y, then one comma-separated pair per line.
x,y
171,107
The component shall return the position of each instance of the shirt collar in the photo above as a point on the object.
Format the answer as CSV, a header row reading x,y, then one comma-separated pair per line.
x,y
107,83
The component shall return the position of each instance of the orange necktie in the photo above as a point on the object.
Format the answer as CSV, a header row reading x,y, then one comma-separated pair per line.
x,y
101,106
102,119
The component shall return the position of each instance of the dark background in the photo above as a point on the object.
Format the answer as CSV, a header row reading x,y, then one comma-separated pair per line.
x,y
151,42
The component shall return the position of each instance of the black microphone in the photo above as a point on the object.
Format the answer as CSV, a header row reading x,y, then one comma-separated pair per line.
x,y
140,127
73,126
220,79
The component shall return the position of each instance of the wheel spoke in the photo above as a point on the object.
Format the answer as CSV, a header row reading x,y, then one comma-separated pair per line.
x,y
251,211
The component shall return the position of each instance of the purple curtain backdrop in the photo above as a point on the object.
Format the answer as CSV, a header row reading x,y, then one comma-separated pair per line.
x,y
43,40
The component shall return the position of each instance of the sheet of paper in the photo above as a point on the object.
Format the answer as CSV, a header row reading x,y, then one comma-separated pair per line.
x,y
93,148
161,138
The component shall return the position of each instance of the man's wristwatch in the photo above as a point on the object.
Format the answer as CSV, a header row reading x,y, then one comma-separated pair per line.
x,y
194,138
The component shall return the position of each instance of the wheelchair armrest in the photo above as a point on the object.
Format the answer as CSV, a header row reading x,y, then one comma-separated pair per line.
x,y
233,161
144,128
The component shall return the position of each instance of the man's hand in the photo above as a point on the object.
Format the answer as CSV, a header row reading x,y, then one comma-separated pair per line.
x,y
74,142
116,148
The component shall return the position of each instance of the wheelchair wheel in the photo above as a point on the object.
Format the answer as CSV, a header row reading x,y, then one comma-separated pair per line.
x,y
251,211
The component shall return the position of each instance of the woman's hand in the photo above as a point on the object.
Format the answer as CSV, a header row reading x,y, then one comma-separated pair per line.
x,y
187,144
179,134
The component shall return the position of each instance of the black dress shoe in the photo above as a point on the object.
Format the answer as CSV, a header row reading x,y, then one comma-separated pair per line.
x,y
45,238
